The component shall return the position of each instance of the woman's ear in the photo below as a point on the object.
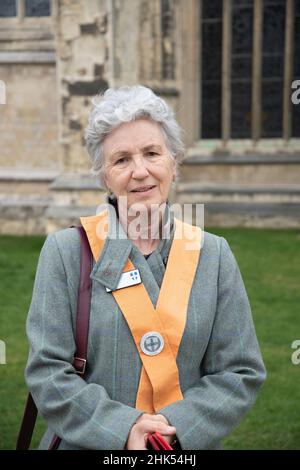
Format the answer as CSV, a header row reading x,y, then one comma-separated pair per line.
x,y
106,183
174,170
103,182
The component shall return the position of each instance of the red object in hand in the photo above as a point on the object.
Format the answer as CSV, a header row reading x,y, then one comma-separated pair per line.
x,y
157,442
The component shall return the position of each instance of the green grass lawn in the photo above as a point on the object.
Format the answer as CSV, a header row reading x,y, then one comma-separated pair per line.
x,y
270,265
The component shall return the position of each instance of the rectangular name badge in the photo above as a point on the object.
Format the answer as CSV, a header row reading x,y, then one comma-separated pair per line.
x,y
130,278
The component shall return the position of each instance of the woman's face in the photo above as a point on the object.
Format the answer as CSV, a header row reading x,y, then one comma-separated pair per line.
x,y
138,164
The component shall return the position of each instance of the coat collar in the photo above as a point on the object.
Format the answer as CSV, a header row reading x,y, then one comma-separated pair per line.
x,y
115,248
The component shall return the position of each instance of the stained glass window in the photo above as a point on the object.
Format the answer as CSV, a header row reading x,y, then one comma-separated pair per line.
x,y
211,60
37,7
8,8
296,75
241,68
272,68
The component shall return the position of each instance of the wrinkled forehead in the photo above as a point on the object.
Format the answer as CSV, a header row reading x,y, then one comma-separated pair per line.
x,y
134,136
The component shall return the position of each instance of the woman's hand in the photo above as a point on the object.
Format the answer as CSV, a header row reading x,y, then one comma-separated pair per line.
x,y
167,437
145,425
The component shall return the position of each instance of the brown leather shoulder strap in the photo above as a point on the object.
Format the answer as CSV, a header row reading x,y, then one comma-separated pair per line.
x,y
82,327
83,304
83,314
27,426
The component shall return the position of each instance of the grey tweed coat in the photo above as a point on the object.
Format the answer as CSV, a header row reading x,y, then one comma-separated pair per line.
x,y
219,361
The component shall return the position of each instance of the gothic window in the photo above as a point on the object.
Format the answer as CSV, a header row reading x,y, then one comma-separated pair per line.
x,y
211,61
38,8
8,8
249,56
272,68
296,75
241,67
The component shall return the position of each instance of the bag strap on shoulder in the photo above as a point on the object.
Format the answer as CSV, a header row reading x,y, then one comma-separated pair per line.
x,y
83,304
82,329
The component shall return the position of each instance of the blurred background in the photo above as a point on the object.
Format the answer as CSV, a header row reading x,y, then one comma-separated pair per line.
x,y
229,69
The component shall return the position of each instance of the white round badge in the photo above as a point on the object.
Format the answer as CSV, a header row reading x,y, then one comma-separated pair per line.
x,y
152,343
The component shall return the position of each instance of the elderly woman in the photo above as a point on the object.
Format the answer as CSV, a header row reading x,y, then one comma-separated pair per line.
x,y
171,350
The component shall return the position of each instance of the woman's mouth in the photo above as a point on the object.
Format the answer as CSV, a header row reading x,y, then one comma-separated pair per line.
x,y
143,189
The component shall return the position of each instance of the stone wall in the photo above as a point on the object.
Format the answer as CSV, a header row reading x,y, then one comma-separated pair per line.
x,y
53,66
82,58
103,44
28,120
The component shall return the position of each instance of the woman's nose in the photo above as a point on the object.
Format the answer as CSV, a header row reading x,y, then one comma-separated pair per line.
x,y
140,169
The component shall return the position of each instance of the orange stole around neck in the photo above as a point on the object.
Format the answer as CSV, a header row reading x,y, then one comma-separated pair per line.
x,y
159,381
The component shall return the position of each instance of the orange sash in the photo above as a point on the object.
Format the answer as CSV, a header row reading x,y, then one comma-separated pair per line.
x,y
159,381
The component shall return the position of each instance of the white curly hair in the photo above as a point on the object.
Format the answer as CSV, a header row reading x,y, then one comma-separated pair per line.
x,y
124,104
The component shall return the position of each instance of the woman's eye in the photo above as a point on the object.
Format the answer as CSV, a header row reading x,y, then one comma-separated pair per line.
x,y
151,154
121,160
